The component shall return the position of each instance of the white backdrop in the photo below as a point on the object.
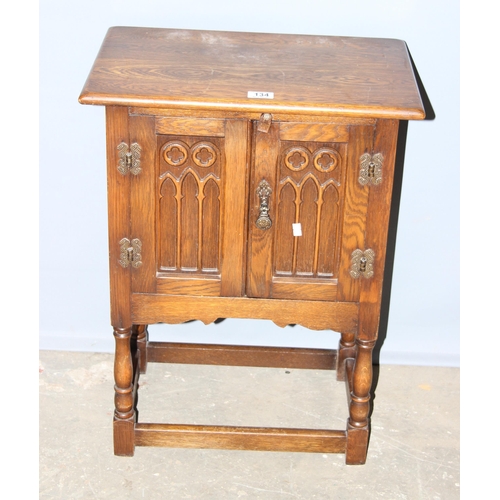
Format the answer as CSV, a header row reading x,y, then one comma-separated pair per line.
x,y
423,319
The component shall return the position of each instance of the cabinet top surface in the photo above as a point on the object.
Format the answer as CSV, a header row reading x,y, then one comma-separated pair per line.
x,y
214,70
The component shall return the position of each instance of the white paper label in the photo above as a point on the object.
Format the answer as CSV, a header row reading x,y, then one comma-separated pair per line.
x,y
252,94
297,229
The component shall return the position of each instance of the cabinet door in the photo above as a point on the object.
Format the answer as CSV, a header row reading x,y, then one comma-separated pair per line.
x,y
307,210
188,205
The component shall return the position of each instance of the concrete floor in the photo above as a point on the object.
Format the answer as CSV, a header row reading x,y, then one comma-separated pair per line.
x,y
413,454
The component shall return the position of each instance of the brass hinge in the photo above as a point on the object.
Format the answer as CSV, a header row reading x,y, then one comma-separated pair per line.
x,y
129,158
362,263
370,171
130,252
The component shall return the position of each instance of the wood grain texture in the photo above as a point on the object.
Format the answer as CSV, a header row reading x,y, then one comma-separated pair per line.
x,y
308,74
359,406
304,291
240,438
140,339
224,114
190,176
319,132
377,226
261,241
346,350
142,201
118,216
235,221
124,437
231,355
316,315
356,445
206,286
309,189
125,390
355,210
190,126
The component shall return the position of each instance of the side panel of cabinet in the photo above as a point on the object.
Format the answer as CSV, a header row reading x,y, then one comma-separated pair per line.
x,y
377,226
310,170
187,205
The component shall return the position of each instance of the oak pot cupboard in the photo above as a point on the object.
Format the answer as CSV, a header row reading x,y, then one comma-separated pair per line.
x,y
250,175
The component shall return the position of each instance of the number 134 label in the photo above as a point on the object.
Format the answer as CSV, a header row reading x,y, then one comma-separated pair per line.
x,y
252,94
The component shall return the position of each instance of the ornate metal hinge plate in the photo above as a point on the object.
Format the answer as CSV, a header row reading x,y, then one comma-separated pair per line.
x,y
129,158
264,192
370,169
362,263
130,252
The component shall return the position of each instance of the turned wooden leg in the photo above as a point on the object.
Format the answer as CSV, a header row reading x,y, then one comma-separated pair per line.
x,y
347,349
359,408
141,339
123,422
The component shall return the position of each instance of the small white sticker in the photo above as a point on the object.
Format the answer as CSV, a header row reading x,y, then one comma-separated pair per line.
x,y
297,229
252,94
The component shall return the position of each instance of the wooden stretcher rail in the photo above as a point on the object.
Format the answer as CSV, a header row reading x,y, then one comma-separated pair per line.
x,y
240,438
231,355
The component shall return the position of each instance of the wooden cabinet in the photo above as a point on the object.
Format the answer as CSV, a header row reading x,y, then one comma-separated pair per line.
x,y
249,176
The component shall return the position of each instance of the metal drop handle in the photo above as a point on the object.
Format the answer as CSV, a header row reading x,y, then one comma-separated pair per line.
x,y
264,192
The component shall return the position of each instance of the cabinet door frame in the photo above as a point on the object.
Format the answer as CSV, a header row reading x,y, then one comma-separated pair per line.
x,y
228,279
343,143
